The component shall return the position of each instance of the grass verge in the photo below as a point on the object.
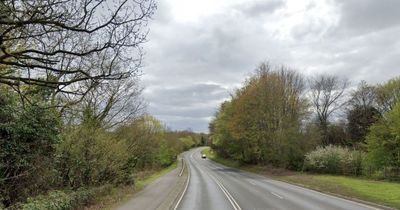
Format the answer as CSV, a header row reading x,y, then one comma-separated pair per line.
x,y
379,192
118,195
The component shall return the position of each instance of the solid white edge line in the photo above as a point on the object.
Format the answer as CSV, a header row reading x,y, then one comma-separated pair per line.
x,y
184,191
183,167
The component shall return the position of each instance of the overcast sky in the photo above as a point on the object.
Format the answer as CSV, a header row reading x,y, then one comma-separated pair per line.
x,y
199,51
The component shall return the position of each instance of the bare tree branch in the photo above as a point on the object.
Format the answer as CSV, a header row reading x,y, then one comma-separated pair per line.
x,y
60,43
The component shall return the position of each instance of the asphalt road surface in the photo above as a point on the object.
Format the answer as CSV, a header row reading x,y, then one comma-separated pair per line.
x,y
214,186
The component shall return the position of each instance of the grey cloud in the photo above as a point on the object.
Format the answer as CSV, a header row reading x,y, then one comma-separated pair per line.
x,y
257,8
186,123
363,16
185,107
191,67
195,111
192,95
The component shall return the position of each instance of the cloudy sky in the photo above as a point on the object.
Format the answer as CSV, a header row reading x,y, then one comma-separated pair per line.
x,y
199,51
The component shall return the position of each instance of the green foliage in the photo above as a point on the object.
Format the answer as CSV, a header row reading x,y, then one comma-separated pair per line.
x,y
262,122
58,200
28,135
388,94
187,142
380,192
64,199
384,140
334,160
90,156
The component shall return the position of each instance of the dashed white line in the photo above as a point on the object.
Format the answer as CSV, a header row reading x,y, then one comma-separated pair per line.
x,y
251,182
277,195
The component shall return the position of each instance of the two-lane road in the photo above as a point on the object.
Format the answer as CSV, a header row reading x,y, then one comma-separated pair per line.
x,y
214,186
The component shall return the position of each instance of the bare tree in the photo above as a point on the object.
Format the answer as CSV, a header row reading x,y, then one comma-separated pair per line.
x,y
60,44
326,95
109,104
364,97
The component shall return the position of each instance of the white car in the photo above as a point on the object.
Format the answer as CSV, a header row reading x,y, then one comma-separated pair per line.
x,y
203,156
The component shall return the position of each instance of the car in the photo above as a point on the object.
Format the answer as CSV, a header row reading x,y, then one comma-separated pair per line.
x,y
203,156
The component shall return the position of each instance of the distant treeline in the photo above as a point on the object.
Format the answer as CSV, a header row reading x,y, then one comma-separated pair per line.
x,y
281,118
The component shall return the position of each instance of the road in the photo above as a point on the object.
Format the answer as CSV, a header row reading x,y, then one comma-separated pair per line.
x,y
152,195
214,186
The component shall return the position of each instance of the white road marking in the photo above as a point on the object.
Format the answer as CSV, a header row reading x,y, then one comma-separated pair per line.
x,y
277,195
226,192
251,182
327,195
186,186
233,202
183,167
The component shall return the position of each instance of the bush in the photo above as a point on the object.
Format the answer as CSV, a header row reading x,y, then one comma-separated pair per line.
x,y
58,200
90,156
334,160
28,135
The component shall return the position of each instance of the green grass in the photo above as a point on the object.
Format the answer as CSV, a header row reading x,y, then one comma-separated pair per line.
x,y
380,192
118,195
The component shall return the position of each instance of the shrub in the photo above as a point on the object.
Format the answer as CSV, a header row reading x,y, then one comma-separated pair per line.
x,y
28,135
90,156
334,160
58,200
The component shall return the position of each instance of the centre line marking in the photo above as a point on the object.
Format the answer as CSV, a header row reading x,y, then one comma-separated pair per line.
x,y
225,191
277,195
252,182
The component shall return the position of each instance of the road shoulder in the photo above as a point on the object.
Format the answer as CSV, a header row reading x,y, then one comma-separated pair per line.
x,y
160,194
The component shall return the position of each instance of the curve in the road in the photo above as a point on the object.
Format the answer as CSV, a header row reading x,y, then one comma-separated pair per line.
x,y
214,186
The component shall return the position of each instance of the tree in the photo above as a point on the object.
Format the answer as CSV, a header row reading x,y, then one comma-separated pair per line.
x,y
364,96
262,122
384,140
110,103
388,95
221,135
59,44
362,112
326,94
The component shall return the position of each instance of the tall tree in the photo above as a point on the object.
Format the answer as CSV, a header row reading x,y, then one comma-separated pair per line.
x,y
262,123
327,97
59,44
362,112
384,140
388,95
